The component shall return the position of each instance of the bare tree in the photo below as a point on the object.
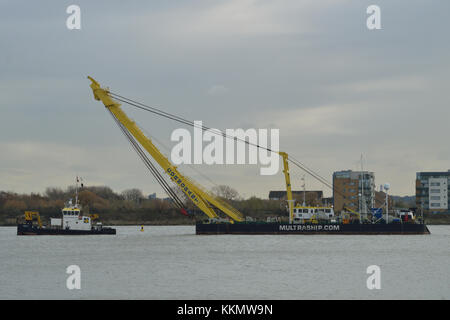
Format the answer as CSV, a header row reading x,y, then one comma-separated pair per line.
x,y
103,191
225,192
54,193
133,195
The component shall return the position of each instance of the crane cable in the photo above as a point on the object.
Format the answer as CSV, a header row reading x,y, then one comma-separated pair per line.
x,y
182,120
215,131
145,159
179,119
163,146
163,183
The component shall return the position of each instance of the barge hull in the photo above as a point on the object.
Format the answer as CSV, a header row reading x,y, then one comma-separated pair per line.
x,y
27,230
285,228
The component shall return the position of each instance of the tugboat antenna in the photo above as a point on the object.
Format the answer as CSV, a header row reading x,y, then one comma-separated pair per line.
x,y
76,193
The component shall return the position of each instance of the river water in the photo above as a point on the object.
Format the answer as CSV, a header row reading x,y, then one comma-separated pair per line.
x,y
171,262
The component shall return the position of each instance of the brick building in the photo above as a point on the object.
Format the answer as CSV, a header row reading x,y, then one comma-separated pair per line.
x,y
354,190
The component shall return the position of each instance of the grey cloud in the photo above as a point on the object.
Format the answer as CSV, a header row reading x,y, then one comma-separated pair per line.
x,y
381,93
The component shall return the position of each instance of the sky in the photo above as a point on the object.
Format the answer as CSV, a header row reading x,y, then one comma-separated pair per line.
x,y
311,69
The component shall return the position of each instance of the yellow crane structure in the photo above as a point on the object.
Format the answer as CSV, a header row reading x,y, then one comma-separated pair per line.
x,y
200,197
347,216
29,217
94,216
287,178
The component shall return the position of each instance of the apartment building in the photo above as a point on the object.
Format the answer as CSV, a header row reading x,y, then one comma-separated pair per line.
x,y
432,192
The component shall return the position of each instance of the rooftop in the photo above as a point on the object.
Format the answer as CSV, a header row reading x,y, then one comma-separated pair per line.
x,y
434,173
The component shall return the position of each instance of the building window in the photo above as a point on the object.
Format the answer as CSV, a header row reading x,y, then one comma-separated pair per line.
x,y
435,184
435,198
435,205
435,190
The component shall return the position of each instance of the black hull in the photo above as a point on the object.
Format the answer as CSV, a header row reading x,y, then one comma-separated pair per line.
x,y
285,228
28,230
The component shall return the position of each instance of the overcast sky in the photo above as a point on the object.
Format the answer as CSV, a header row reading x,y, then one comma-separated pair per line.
x,y
310,68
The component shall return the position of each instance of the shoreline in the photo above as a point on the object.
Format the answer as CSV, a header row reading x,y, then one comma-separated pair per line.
x,y
148,223
441,219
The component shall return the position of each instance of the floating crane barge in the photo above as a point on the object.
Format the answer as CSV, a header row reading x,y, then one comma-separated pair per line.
x,y
304,228
302,220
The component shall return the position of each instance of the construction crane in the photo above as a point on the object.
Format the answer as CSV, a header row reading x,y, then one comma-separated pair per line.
x,y
205,201
287,178
347,216
29,217
200,197
94,216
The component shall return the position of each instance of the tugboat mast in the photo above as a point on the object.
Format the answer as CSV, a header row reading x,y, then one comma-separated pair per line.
x,y
76,192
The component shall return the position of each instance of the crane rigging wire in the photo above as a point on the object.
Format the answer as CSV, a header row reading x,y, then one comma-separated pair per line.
x,y
143,157
156,174
163,146
182,120
179,119
215,131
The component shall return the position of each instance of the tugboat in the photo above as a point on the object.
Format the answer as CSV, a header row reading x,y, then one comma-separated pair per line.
x,y
72,222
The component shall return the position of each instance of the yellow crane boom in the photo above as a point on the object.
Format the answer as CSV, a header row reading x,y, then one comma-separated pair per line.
x,y
200,197
287,178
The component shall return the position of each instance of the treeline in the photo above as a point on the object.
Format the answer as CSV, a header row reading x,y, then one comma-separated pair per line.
x,y
127,207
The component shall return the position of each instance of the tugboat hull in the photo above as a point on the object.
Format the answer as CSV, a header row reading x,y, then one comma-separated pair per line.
x,y
285,228
29,230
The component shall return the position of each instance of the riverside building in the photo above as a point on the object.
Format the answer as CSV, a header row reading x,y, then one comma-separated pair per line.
x,y
432,192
